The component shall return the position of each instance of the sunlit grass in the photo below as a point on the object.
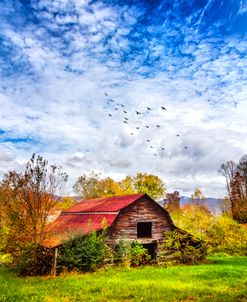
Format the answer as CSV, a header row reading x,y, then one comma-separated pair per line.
x,y
224,280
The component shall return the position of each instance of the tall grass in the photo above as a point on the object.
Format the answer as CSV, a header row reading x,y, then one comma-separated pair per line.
x,y
224,279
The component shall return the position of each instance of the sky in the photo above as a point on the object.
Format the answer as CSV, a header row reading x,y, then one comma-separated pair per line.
x,y
70,68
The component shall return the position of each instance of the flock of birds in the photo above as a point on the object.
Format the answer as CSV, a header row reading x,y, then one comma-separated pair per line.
x,y
126,119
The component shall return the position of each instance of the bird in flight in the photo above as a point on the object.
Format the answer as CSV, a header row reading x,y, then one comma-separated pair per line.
x,y
148,140
125,111
162,148
137,112
126,118
163,108
178,135
110,115
106,94
158,126
137,128
148,108
125,122
147,126
116,108
111,100
131,133
185,147
122,105
151,147
155,154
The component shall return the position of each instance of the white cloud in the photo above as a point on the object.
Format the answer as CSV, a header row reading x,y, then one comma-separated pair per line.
x,y
63,109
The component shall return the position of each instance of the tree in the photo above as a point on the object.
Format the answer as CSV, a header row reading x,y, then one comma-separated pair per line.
x,y
225,205
242,169
239,198
236,182
93,186
172,202
65,203
228,170
149,184
199,200
31,197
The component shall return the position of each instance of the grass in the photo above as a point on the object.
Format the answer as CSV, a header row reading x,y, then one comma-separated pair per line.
x,y
225,279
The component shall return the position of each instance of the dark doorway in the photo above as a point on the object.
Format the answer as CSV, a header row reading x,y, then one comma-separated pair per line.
x,y
152,249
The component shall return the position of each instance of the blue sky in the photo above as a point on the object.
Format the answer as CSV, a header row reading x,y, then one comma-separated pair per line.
x,y
62,61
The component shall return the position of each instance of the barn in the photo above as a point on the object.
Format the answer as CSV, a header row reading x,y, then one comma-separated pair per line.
x,y
130,217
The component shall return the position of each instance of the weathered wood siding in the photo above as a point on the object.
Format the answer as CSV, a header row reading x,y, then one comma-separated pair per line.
x,y
143,210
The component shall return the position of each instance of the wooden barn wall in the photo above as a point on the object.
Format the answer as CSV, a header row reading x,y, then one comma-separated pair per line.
x,y
143,210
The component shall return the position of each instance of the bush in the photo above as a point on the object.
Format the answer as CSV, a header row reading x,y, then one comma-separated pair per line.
x,y
139,255
181,247
131,253
35,260
83,253
123,255
222,233
5,259
227,236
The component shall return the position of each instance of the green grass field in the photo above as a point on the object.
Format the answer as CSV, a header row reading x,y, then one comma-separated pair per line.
x,y
225,280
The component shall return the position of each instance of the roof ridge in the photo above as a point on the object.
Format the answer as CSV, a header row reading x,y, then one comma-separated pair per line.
x,y
104,204
112,196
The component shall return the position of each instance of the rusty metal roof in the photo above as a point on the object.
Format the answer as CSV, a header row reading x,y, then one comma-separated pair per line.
x,y
105,204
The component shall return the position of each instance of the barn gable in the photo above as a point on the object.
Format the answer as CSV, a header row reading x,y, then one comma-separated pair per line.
x,y
143,220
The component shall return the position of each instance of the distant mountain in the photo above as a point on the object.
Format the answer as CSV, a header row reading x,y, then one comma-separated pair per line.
x,y
211,202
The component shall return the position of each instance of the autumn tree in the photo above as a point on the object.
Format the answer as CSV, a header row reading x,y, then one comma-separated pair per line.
x,y
93,186
228,170
242,169
198,200
172,202
65,203
238,197
149,184
236,183
225,205
31,197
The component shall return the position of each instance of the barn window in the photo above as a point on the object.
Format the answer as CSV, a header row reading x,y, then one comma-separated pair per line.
x,y
144,229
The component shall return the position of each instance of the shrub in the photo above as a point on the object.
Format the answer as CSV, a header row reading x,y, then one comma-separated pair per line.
x,y
83,253
131,253
123,255
139,255
227,236
222,233
181,247
35,260
5,259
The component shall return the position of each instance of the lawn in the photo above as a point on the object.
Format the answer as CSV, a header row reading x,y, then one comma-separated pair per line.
x,y
224,280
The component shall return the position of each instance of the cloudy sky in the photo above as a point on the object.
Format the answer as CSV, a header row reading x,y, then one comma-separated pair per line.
x,y
70,68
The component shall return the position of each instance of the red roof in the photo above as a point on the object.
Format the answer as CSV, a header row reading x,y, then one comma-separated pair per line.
x,y
87,216
105,204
